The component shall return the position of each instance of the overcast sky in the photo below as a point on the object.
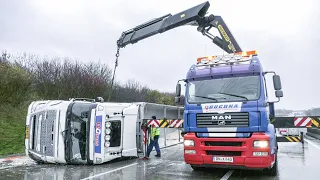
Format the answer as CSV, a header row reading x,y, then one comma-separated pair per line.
x,y
285,33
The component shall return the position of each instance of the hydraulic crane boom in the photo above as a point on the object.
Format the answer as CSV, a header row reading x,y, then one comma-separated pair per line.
x,y
194,16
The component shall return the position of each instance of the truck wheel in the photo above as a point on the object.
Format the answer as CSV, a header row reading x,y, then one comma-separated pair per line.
x,y
274,170
196,168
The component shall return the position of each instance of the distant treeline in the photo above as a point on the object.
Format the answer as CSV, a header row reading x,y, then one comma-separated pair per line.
x,y
308,112
29,77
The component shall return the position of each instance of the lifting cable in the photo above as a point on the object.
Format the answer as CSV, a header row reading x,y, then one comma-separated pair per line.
x,y
114,73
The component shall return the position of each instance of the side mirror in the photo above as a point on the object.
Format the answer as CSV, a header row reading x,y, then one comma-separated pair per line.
x,y
277,82
177,100
100,99
279,93
178,90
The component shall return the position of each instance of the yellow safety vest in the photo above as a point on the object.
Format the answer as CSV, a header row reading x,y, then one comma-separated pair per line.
x,y
155,131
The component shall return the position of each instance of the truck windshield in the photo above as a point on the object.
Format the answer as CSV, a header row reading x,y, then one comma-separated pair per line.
x,y
78,129
224,90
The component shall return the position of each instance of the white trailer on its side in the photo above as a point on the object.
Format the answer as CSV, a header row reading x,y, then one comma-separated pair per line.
x,y
84,131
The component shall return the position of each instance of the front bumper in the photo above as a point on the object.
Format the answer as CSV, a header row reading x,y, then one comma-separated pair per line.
x,y
239,162
241,149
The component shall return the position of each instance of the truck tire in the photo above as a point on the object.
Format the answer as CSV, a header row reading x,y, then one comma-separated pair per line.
x,y
196,168
274,170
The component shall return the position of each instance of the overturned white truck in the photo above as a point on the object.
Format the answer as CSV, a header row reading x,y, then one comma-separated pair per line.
x,y
83,131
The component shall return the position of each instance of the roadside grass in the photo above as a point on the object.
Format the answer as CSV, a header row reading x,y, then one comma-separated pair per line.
x,y
12,129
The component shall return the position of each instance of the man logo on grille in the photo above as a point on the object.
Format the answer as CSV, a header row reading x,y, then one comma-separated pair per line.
x,y
221,123
221,117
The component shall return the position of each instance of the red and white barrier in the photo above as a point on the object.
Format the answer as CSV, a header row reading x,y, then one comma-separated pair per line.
x,y
169,123
302,121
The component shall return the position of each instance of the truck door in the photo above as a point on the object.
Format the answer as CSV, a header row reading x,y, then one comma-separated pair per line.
x,y
129,131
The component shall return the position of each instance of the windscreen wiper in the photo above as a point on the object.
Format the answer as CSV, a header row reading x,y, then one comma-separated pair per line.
x,y
234,95
205,97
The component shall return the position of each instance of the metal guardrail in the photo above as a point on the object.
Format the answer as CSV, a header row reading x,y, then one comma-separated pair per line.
x,y
296,122
291,138
164,124
169,132
314,132
309,122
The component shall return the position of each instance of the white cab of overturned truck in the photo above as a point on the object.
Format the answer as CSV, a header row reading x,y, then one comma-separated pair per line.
x,y
83,131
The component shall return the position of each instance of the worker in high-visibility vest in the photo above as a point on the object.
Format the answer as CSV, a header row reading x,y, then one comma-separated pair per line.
x,y
154,137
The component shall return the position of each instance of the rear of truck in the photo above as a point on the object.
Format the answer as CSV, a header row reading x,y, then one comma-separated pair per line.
x,y
227,115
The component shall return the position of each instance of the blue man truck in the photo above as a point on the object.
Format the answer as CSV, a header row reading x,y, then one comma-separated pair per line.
x,y
229,121
227,113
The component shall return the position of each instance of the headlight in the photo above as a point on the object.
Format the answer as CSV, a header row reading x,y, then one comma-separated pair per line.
x,y
188,142
108,131
100,108
107,137
108,124
261,144
107,144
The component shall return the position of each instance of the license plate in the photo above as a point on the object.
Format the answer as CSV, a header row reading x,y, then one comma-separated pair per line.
x,y
223,159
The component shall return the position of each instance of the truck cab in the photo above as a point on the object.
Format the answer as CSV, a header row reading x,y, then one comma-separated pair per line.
x,y
80,132
227,113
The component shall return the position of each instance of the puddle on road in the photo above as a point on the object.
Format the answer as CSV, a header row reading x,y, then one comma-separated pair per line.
x,y
15,161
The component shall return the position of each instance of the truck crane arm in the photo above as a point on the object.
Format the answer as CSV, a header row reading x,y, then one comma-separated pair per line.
x,y
194,16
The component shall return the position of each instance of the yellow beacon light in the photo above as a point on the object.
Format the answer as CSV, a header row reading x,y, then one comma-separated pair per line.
x,y
247,53
205,59
208,59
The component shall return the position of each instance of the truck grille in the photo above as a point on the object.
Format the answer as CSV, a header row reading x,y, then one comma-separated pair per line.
x,y
115,140
224,153
218,143
229,119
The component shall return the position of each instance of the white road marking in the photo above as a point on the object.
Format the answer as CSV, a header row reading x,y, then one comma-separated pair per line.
x,y
110,171
309,142
5,167
227,175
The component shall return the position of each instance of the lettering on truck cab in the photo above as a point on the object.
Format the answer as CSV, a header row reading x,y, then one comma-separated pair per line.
x,y
98,134
222,107
221,117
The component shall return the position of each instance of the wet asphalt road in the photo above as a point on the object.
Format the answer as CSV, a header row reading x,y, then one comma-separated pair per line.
x,y
296,161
